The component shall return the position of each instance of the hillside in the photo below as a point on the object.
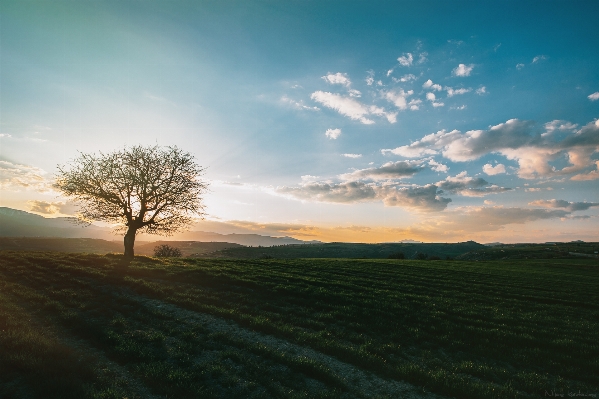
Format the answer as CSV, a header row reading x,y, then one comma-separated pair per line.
x,y
90,326
351,250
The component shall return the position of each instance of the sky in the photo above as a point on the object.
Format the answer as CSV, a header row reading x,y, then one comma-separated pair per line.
x,y
355,121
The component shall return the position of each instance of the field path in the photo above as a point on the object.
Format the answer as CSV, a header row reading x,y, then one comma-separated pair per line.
x,y
362,382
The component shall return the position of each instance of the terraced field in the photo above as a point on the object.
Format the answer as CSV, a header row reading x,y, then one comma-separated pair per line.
x,y
77,325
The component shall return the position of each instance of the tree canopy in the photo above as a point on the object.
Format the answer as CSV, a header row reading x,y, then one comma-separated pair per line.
x,y
153,190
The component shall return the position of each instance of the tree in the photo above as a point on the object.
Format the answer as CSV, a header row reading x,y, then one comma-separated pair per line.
x,y
166,251
153,190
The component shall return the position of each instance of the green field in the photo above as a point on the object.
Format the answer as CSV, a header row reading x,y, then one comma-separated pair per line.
x,y
80,325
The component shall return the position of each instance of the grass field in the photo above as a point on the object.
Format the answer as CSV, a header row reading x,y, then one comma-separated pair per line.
x,y
77,325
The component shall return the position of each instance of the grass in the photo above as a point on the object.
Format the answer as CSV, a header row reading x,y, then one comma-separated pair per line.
x,y
224,328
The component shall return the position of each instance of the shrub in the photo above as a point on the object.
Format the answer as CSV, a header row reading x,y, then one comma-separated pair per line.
x,y
421,256
396,255
166,251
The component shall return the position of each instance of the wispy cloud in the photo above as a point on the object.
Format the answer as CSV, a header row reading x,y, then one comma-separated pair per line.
x,y
297,104
570,206
344,105
539,58
454,92
594,96
337,78
352,155
406,59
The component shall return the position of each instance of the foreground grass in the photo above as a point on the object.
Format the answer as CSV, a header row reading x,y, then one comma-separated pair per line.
x,y
91,326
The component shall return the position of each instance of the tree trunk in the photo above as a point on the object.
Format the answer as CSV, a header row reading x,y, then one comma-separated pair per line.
x,y
129,241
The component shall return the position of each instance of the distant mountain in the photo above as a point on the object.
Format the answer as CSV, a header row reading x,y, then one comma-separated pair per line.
x,y
15,223
250,240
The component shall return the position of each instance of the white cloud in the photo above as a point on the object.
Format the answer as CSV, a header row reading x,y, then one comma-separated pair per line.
x,y
461,107
517,140
5,135
333,133
344,105
430,85
406,78
398,97
406,59
337,78
432,98
370,78
558,125
451,92
354,93
422,58
481,90
463,70
438,167
389,72
494,170
379,111
519,66
352,155
298,104
594,96
415,104
538,58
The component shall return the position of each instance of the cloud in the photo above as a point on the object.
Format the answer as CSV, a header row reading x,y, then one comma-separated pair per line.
x,y
389,170
391,116
570,206
354,93
517,140
337,78
594,96
422,58
461,107
5,135
481,90
370,78
345,193
438,167
558,125
432,98
414,105
352,155
422,198
519,66
344,105
333,133
405,78
462,184
451,92
297,104
419,198
15,177
495,217
538,58
494,170
50,208
463,70
406,59
398,97
430,85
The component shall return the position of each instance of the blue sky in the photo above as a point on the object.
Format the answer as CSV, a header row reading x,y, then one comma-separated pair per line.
x,y
339,121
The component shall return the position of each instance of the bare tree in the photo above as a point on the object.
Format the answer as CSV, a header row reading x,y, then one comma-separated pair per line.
x,y
153,190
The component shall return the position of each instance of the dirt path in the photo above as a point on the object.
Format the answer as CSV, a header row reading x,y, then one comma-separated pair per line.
x,y
362,382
